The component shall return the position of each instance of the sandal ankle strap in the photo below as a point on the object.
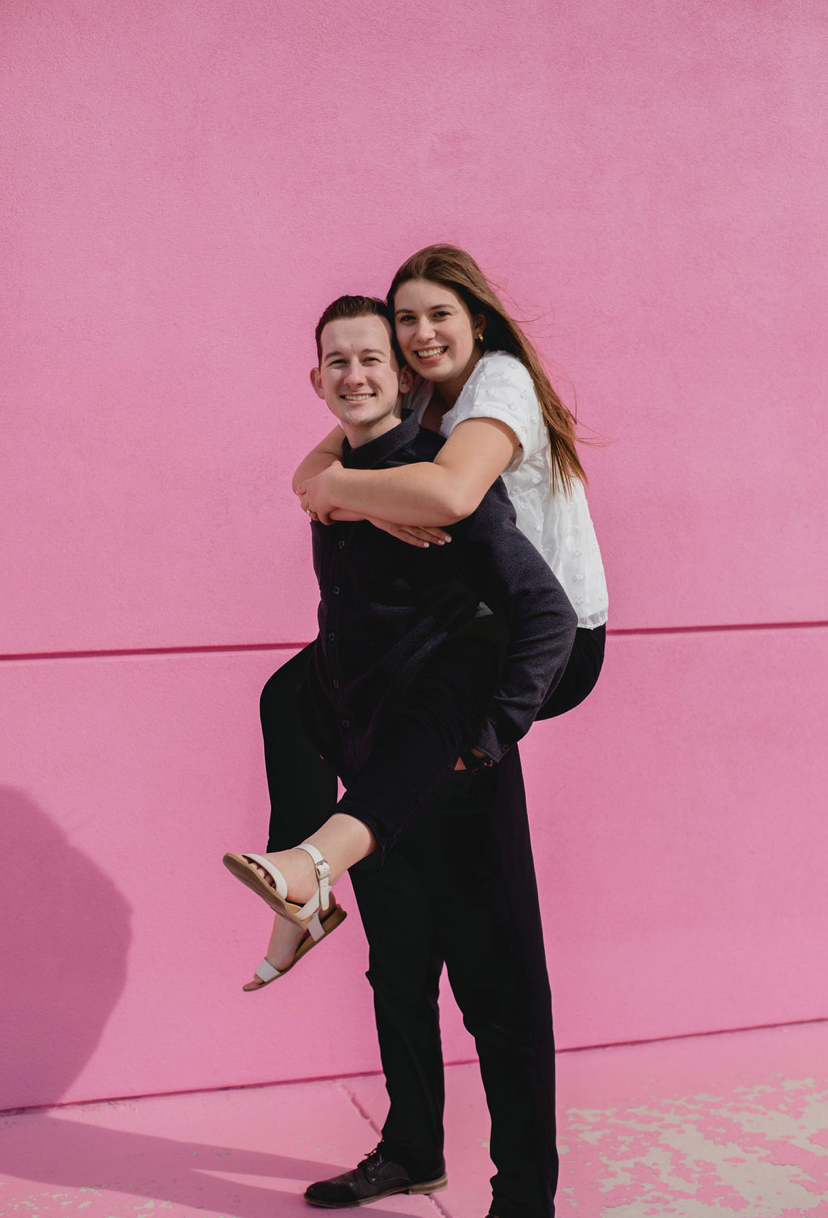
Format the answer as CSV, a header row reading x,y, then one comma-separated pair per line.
x,y
323,874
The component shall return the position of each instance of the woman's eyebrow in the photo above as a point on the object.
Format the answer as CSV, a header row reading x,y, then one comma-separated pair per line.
x,y
430,309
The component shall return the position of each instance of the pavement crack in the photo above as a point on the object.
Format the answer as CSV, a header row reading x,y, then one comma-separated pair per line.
x,y
346,1091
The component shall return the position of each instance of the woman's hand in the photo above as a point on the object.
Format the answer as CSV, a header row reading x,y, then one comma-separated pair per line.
x,y
318,498
412,534
317,494
461,765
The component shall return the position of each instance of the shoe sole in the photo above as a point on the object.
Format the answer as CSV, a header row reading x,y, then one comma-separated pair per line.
x,y
428,1186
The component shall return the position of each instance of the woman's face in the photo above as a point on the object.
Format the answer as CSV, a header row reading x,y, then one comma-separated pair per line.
x,y
437,334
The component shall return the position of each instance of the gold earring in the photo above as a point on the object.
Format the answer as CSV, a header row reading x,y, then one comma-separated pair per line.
x,y
480,337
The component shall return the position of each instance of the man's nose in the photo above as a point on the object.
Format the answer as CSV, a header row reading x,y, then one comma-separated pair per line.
x,y
354,375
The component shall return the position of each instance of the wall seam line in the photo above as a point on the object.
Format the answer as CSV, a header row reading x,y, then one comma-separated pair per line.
x,y
234,648
22,1110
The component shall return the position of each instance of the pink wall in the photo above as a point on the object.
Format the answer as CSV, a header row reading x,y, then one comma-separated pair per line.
x,y
187,186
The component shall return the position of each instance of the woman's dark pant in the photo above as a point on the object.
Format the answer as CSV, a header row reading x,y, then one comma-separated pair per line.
x,y
458,888
421,732
303,787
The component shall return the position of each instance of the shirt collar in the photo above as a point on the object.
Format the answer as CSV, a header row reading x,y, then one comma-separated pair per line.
x,y
375,452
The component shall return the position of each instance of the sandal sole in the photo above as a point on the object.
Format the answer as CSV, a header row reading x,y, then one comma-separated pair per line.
x,y
335,918
242,870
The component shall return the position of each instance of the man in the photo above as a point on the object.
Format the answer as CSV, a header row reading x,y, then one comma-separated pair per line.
x,y
411,670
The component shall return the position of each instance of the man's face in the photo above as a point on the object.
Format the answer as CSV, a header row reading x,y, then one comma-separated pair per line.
x,y
358,377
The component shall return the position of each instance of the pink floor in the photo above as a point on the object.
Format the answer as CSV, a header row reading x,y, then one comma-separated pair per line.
x,y
729,1124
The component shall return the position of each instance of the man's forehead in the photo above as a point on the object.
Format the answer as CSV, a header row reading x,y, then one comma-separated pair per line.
x,y
370,332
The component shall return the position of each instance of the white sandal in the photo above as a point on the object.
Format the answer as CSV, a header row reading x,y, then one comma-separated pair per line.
x,y
309,916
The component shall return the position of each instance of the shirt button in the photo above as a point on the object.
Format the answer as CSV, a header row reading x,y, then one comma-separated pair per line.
x,y
346,722
331,635
341,545
336,589
336,685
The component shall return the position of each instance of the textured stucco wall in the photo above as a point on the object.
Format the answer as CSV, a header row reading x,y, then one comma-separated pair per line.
x,y
187,185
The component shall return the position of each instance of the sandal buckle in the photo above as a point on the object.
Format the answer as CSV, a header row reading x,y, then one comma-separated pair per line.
x,y
323,870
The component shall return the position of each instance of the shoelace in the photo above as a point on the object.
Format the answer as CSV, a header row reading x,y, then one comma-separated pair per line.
x,y
373,1159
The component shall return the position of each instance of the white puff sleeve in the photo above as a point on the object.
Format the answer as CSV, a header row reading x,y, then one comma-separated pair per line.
x,y
499,387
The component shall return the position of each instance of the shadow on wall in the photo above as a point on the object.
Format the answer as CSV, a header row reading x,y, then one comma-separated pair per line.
x,y
66,933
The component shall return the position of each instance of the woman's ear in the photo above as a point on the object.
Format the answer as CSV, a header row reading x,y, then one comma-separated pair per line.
x,y
406,378
479,325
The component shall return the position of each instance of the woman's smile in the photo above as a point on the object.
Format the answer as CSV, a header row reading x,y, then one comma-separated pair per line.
x,y
430,354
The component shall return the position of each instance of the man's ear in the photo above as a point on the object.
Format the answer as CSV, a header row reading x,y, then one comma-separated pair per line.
x,y
406,378
316,381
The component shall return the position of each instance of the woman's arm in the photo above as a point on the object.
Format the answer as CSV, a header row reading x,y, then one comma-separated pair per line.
x,y
428,493
319,458
329,453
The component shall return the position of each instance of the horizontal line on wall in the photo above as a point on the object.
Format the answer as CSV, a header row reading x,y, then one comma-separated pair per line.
x,y
712,629
229,648
225,648
335,1078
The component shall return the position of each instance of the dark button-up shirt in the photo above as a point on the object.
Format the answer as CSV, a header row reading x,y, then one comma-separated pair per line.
x,y
385,607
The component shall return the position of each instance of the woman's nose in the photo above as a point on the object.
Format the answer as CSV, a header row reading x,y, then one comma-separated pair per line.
x,y
425,329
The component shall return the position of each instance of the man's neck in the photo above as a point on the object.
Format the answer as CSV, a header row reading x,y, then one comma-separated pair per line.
x,y
357,436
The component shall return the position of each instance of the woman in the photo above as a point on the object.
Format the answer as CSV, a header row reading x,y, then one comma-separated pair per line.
x,y
483,386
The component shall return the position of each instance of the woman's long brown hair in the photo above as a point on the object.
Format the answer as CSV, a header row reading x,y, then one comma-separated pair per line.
x,y
455,269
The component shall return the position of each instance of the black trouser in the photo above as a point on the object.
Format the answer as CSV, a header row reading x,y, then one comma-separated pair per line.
x,y
458,887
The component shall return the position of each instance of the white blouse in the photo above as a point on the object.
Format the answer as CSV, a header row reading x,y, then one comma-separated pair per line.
x,y
558,523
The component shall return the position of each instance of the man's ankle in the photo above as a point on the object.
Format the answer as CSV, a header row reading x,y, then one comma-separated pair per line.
x,y
418,1166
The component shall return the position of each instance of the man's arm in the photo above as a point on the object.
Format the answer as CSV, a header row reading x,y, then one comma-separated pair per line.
x,y
495,558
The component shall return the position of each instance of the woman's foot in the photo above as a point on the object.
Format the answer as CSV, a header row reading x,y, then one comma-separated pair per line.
x,y
297,867
304,873
299,872
284,940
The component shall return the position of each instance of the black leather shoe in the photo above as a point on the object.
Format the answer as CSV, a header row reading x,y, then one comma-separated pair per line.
x,y
374,1178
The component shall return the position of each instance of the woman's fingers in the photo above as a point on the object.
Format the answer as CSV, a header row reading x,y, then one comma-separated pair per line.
x,y
415,534
438,536
412,534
